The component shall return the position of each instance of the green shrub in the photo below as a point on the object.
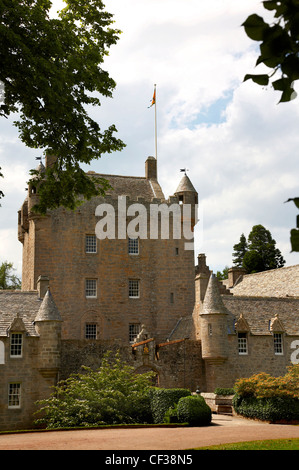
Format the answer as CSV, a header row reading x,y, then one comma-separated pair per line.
x,y
171,415
114,394
224,391
269,398
164,398
271,409
194,411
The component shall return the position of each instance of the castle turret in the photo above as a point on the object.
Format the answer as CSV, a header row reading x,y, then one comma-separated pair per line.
x,y
187,195
48,326
213,319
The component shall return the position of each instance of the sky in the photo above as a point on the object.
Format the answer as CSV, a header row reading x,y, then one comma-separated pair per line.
x,y
239,145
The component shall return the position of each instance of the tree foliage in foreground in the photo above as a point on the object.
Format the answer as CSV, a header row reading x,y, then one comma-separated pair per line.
x,y
114,394
52,73
279,51
259,253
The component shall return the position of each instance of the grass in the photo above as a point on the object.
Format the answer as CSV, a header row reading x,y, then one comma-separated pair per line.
x,y
276,444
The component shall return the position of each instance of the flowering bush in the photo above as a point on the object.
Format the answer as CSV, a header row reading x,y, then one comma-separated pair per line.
x,y
269,398
264,385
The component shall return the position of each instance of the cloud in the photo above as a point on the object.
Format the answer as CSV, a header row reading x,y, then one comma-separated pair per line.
x,y
238,144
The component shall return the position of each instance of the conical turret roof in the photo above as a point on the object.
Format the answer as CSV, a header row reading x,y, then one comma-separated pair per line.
x,y
213,302
185,185
48,310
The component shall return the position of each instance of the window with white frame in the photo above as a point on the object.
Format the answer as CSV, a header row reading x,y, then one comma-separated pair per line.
x,y
278,345
242,343
90,331
133,246
2,353
134,330
14,395
134,288
91,288
90,244
16,345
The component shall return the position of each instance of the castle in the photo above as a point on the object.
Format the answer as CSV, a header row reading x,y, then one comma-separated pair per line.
x,y
86,290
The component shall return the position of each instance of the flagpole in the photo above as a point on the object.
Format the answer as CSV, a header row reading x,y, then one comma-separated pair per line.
x,y
156,152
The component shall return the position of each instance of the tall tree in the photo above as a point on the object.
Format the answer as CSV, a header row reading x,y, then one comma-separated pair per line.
x,y
51,71
239,251
8,280
261,254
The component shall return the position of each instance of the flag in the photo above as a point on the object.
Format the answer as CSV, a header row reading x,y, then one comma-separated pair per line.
x,y
154,99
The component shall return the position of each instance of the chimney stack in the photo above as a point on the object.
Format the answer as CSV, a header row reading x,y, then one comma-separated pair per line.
x,y
42,286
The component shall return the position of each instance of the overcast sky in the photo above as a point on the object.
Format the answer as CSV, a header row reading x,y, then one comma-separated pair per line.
x,y
239,145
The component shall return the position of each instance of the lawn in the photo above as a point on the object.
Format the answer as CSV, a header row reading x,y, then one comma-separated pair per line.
x,y
278,444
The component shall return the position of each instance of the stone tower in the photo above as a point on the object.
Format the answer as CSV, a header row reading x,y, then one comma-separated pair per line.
x,y
107,287
48,326
213,331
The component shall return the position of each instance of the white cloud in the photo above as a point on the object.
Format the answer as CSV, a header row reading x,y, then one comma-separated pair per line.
x,y
239,145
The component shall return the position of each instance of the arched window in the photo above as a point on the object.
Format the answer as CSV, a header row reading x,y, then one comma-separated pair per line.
x,y
2,353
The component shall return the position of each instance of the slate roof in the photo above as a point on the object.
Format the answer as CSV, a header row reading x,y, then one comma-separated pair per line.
x,y
185,185
24,304
213,302
282,282
132,186
48,310
28,307
258,312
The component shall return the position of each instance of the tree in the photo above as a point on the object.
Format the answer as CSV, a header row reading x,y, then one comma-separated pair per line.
x,y
114,394
221,275
260,252
239,251
8,280
51,71
279,51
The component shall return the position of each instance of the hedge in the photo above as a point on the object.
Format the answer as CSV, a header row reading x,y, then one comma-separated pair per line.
x,y
194,411
271,409
164,398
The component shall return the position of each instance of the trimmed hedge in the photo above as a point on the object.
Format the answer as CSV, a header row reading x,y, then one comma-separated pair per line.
x,y
194,411
271,409
224,391
164,398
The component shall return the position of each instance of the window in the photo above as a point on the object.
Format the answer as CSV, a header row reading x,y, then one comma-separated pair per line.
x,y
134,330
133,288
90,331
14,395
133,246
242,343
16,345
90,244
91,288
171,297
2,353
278,349
210,331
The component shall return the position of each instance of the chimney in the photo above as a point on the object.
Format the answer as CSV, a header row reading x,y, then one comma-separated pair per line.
x,y
151,168
42,286
50,160
234,274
